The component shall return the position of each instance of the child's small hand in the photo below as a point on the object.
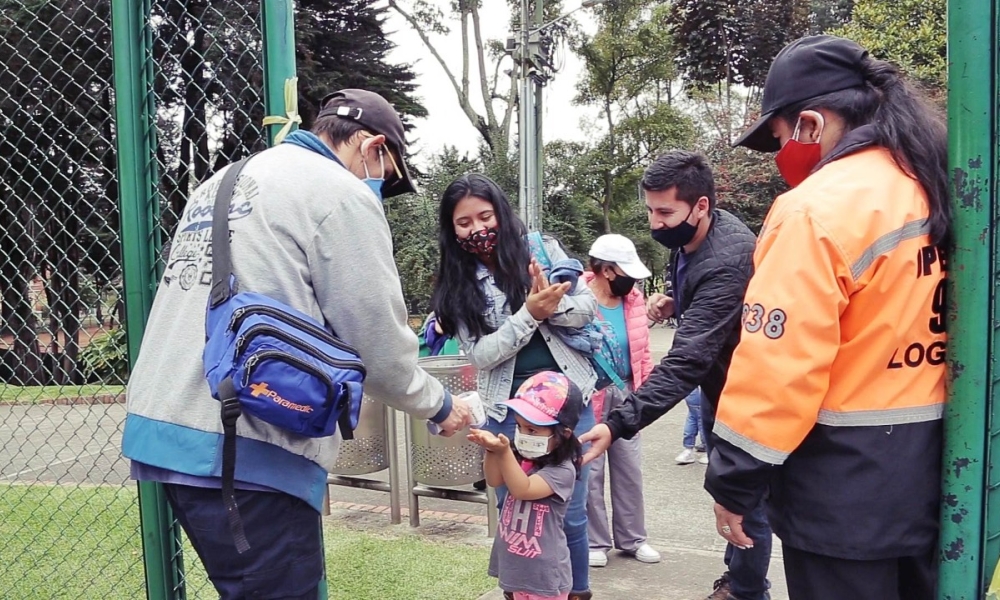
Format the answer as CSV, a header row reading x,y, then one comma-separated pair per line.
x,y
488,441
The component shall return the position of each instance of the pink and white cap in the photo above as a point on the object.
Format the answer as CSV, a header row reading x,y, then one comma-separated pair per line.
x,y
548,398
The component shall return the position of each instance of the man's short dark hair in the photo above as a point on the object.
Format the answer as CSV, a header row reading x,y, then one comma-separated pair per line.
x,y
687,171
338,129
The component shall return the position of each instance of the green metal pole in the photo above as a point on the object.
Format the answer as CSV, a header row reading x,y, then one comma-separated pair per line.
x,y
277,22
971,88
135,155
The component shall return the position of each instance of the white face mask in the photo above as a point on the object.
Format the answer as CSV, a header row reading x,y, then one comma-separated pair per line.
x,y
531,446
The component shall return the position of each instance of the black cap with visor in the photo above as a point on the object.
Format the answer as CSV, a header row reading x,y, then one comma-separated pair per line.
x,y
376,114
807,68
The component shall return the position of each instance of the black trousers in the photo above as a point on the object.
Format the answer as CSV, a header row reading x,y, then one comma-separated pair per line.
x,y
285,560
816,577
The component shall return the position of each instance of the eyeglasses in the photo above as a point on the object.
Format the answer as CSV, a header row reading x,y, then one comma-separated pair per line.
x,y
395,167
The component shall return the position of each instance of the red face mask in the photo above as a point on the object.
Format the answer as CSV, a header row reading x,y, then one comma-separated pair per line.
x,y
796,159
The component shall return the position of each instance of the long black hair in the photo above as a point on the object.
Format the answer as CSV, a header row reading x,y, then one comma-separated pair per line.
x,y
459,300
568,447
906,124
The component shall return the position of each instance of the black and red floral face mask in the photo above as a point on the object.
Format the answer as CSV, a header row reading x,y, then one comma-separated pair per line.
x,y
480,243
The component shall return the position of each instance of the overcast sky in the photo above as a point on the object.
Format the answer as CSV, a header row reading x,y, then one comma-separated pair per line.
x,y
446,124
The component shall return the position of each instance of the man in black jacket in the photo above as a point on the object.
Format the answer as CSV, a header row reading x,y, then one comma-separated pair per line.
x,y
710,272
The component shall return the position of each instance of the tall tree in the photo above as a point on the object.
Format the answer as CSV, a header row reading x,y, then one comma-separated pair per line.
x,y
913,34
343,44
725,48
497,96
628,76
57,176
829,14
490,100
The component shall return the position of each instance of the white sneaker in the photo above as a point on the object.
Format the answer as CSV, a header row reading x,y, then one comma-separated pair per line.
x,y
687,457
599,558
703,459
646,554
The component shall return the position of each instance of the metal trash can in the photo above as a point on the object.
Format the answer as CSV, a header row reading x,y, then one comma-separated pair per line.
x,y
373,449
368,452
434,460
438,460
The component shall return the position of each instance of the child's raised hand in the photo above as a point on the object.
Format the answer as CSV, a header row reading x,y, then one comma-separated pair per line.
x,y
488,441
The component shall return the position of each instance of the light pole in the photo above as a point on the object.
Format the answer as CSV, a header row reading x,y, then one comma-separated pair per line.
x,y
532,53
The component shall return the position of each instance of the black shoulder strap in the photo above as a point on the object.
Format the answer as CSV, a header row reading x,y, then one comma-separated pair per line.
x,y
222,263
231,412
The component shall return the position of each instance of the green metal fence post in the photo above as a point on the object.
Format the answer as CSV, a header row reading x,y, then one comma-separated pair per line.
x,y
278,34
136,158
971,88
277,21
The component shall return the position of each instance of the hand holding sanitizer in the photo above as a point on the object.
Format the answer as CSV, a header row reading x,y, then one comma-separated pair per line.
x,y
476,408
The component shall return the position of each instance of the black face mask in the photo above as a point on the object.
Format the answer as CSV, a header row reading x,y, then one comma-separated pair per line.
x,y
621,285
677,236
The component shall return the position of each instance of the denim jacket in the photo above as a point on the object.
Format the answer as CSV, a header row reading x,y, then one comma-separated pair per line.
x,y
494,354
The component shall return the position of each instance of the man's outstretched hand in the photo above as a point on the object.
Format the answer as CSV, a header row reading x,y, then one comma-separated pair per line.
x,y
458,419
600,440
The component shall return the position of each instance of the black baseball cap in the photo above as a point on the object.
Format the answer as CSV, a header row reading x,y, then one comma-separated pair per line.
x,y
807,68
376,114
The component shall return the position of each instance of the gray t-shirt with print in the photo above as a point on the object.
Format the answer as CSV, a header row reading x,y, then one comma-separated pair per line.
x,y
529,550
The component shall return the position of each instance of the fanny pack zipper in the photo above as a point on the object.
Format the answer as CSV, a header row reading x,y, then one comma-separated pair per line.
x,y
264,328
245,311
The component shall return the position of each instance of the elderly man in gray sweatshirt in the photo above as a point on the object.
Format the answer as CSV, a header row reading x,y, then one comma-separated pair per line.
x,y
307,228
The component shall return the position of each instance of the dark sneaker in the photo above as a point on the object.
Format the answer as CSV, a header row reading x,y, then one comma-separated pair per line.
x,y
720,589
581,595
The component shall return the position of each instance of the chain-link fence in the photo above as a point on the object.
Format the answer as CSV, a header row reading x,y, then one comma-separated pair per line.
x,y
91,149
69,516
207,87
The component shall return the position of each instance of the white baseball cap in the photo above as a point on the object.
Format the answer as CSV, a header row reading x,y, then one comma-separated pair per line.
x,y
621,251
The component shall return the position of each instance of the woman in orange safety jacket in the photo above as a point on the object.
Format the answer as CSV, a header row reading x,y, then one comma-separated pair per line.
x,y
833,402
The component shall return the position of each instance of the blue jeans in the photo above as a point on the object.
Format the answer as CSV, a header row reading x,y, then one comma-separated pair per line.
x,y
575,524
747,568
693,426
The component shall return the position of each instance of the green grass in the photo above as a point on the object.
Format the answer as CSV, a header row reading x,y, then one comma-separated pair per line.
x,y
76,542
35,394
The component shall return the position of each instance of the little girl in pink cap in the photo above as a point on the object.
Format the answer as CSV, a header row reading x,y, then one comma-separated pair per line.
x,y
530,556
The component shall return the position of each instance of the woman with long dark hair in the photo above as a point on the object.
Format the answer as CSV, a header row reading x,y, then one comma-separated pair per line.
x,y
833,402
496,300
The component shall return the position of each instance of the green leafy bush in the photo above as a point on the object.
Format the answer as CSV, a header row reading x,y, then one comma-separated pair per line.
x,y
105,358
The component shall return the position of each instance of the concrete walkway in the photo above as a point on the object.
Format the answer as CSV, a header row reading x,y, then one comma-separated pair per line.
x,y
678,518
81,445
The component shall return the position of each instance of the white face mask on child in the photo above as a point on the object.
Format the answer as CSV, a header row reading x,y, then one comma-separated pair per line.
x,y
531,446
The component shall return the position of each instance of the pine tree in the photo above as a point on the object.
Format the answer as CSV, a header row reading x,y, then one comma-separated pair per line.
x,y
343,44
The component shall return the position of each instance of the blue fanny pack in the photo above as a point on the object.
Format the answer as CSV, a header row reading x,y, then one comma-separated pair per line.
x,y
266,359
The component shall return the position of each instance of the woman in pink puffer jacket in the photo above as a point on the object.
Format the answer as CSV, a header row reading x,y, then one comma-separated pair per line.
x,y
615,269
